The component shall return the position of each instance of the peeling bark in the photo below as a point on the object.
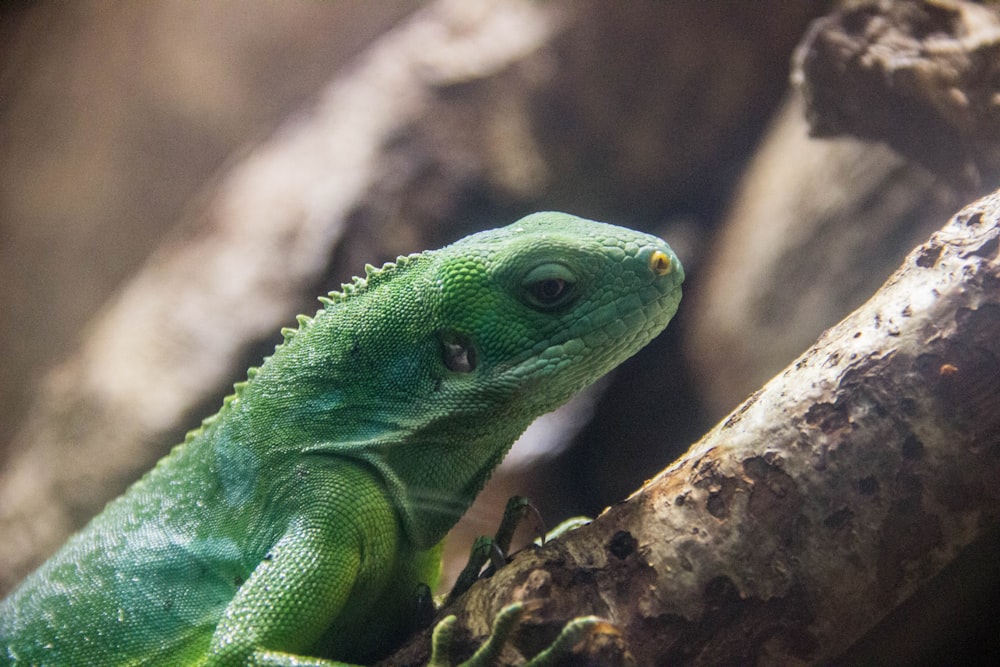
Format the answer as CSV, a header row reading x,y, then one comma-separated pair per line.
x,y
825,501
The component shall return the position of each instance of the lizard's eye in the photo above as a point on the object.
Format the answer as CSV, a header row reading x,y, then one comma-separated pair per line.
x,y
549,286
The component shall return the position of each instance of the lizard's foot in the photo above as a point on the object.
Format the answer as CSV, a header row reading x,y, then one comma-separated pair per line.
x,y
569,524
507,620
504,626
495,549
574,632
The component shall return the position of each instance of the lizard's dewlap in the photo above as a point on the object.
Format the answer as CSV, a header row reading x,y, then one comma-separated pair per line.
x,y
301,517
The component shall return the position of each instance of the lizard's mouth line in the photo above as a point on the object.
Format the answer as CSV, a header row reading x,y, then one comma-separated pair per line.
x,y
563,347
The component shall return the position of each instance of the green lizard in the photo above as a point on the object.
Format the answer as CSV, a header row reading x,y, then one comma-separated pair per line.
x,y
301,519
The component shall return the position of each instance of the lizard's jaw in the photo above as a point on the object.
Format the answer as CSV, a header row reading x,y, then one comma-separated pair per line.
x,y
577,354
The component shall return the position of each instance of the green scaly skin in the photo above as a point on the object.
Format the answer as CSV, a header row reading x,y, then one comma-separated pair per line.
x,y
301,518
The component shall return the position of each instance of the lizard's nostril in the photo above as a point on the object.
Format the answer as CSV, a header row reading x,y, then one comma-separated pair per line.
x,y
660,263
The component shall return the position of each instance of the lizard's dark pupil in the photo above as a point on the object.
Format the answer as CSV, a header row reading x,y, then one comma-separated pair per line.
x,y
549,290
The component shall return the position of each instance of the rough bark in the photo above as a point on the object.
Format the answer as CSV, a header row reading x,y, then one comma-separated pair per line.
x,y
820,505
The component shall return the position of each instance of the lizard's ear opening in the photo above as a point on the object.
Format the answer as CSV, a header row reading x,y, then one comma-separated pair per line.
x,y
458,353
549,286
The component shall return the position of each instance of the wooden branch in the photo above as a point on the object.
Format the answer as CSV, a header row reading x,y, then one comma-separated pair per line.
x,y
817,507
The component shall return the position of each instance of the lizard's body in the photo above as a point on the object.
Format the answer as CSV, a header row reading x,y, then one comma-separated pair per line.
x,y
301,518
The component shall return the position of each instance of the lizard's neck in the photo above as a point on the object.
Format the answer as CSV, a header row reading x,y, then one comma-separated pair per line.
x,y
433,482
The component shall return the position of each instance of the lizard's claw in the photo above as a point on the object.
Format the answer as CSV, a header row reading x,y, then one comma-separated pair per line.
x,y
572,634
503,626
441,640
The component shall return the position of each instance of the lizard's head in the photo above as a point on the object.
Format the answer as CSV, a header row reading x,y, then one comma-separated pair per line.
x,y
452,353
544,307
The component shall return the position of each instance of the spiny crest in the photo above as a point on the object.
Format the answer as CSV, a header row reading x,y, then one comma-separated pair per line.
x,y
240,386
304,321
227,401
205,423
374,276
